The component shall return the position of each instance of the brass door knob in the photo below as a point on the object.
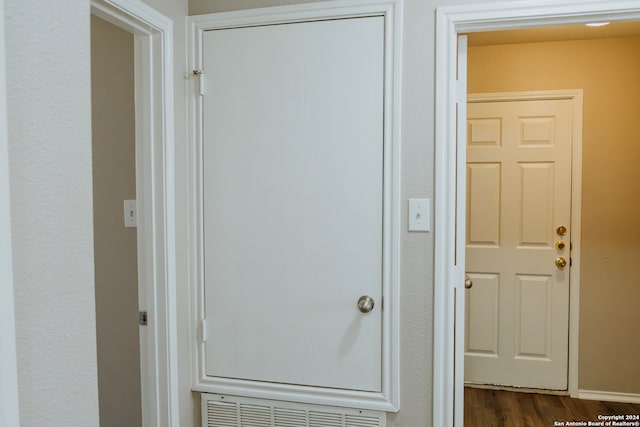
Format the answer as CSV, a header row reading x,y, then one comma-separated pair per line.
x,y
468,283
560,245
561,262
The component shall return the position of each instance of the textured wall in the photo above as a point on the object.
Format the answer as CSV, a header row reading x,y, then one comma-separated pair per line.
x,y
50,170
48,76
607,70
114,180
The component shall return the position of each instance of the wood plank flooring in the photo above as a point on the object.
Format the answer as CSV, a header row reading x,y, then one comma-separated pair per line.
x,y
495,408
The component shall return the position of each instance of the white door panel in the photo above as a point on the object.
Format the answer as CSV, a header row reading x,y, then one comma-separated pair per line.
x,y
293,199
483,307
518,192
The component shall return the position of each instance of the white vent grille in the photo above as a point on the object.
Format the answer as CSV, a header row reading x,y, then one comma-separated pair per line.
x,y
231,411
323,419
289,417
221,414
255,416
351,421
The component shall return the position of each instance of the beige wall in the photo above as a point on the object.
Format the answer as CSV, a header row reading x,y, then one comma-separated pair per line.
x,y
607,70
116,274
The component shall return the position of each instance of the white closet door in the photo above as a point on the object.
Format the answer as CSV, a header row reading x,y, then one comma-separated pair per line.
x,y
293,202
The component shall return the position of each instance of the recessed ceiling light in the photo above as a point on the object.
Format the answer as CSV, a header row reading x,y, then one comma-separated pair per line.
x,y
597,24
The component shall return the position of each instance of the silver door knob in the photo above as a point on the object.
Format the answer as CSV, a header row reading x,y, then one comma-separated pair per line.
x,y
365,303
468,283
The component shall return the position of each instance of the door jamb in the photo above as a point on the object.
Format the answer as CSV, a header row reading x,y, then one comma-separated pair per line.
x,y
155,190
450,21
576,96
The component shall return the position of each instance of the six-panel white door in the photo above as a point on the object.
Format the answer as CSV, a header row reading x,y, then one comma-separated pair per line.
x,y
518,193
293,202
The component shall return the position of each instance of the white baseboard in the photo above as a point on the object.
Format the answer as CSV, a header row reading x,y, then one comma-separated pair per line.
x,y
609,396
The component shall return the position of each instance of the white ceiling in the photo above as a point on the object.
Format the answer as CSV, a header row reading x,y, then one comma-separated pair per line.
x,y
560,33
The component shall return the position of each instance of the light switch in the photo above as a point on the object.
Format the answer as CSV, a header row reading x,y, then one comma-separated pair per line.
x,y
419,215
130,214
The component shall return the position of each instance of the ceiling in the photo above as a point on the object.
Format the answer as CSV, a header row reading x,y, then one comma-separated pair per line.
x,y
558,33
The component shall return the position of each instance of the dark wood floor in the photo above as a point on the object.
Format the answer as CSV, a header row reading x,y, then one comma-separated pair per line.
x,y
494,408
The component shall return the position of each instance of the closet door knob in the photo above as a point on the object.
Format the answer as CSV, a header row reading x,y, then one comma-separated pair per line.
x,y
365,303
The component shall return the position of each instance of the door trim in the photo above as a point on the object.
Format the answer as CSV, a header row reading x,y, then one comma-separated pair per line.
x,y
576,96
155,192
9,409
450,21
388,399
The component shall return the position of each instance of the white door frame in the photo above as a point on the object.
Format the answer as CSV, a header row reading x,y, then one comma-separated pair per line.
x,y
388,399
9,410
155,192
450,169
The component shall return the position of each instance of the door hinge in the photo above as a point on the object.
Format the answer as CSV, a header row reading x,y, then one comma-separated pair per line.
x,y
142,318
461,91
200,75
203,330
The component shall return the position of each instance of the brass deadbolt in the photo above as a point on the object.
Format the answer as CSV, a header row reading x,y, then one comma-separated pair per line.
x,y
560,245
561,230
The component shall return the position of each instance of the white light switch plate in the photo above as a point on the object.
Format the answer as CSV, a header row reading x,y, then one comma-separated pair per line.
x,y
130,214
419,215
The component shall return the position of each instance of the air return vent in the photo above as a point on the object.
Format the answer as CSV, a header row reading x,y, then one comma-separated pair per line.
x,y
231,411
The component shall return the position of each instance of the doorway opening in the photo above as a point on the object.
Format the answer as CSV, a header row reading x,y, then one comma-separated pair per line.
x,y
450,174
155,194
115,239
607,166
